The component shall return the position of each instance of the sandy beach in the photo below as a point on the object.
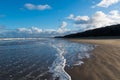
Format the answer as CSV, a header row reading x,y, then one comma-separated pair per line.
x,y
104,63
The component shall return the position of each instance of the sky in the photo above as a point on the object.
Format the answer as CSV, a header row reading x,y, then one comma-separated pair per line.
x,y
58,15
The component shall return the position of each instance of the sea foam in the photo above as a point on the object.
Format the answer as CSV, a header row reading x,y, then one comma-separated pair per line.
x,y
68,54
3,39
59,64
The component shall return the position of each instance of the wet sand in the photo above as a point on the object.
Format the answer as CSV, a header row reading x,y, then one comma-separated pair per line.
x,y
104,63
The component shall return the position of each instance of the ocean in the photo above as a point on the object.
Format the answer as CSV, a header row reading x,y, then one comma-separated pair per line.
x,y
40,58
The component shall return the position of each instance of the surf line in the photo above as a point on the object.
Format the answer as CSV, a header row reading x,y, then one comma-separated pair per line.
x,y
58,65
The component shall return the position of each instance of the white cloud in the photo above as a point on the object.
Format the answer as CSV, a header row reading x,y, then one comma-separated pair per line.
x,y
37,7
62,28
43,7
71,16
64,24
35,29
30,6
82,18
30,30
99,19
107,3
114,14
24,30
77,18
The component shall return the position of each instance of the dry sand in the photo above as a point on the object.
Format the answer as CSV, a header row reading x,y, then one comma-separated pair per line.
x,y
104,63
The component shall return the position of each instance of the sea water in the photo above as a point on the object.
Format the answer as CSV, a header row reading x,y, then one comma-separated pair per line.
x,y
40,58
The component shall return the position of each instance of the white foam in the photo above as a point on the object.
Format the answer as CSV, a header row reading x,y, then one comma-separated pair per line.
x,y
1,39
78,63
59,64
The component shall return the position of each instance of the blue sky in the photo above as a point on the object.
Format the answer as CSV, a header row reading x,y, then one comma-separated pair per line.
x,y
51,13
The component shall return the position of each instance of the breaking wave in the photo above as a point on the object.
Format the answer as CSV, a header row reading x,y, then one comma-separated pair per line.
x,y
59,64
68,54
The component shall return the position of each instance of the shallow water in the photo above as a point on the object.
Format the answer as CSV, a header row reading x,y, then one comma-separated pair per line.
x,y
40,59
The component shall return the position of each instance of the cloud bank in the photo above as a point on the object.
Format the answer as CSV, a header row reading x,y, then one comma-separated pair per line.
x,y
99,19
34,32
30,30
30,6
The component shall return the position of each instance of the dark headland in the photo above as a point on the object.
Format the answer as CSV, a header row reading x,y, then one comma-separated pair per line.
x,y
104,32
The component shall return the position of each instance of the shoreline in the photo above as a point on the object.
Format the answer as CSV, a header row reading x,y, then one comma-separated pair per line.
x,y
111,42
104,63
